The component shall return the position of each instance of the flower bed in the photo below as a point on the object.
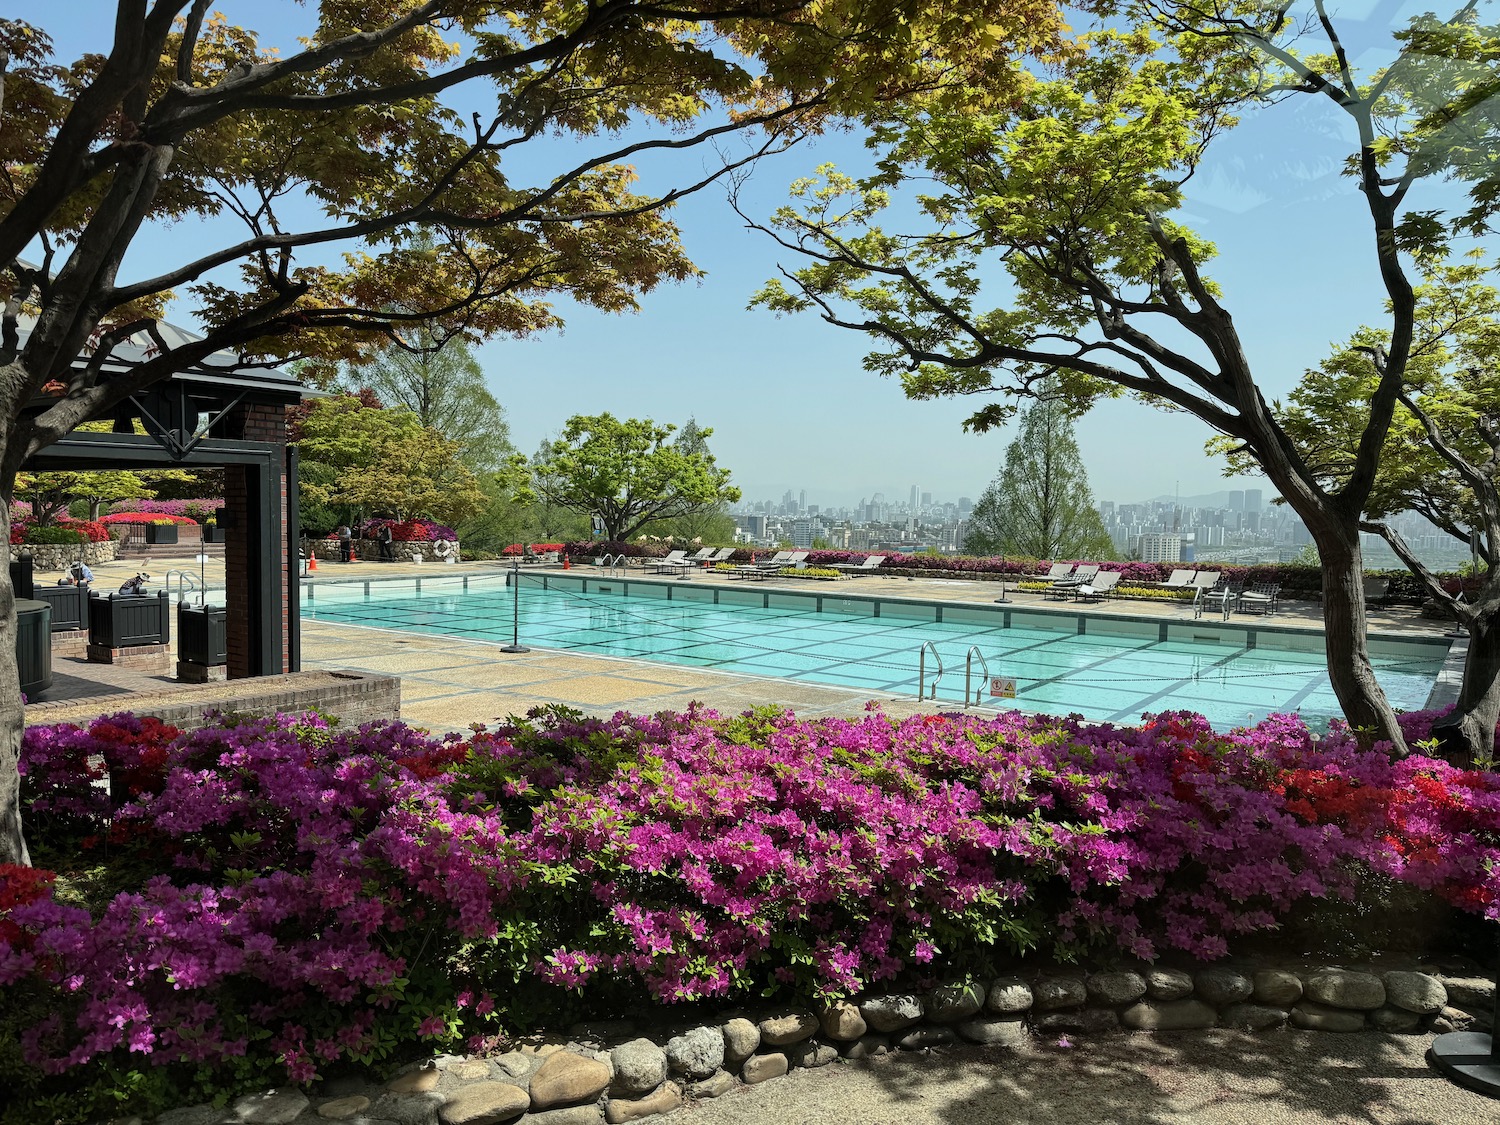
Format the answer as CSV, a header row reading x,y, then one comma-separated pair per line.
x,y
61,531
409,531
271,898
144,517
197,509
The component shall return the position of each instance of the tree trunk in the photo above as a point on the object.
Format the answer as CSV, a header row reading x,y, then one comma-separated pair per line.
x,y
1345,631
12,719
1469,731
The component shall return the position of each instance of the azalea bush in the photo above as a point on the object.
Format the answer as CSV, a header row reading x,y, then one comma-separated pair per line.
x,y
409,531
141,516
536,548
269,898
24,530
197,509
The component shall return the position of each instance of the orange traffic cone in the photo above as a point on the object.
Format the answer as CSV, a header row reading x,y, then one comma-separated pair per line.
x,y
567,563
312,562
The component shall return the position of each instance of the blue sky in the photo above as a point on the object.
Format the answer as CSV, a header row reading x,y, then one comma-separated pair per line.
x,y
788,399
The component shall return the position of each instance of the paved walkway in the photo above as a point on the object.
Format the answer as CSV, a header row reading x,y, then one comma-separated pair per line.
x,y
1283,1077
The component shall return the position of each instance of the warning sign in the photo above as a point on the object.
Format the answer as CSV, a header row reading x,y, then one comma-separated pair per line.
x,y
1002,687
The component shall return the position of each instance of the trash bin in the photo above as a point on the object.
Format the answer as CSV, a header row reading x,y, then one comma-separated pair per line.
x,y
33,646
202,635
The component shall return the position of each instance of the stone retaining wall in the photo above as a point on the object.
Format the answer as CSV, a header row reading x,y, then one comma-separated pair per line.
x,y
621,1070
47,557
355,697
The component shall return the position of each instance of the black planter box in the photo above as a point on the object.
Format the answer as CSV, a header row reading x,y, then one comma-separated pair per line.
x,y
161,533
33,646
202,634
212,533
127,620
70,606
20,575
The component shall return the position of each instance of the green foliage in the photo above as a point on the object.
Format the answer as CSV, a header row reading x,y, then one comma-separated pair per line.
x,y
381,462
1040,505
40,535
443,385
629,472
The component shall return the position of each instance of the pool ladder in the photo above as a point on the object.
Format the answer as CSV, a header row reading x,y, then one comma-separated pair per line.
x,y
922,670
972,695
613,564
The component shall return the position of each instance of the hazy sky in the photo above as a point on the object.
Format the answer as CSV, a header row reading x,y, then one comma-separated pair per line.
x,y
789,402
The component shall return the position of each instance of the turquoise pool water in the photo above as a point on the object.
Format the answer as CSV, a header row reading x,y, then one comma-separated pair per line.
x,y
1115,670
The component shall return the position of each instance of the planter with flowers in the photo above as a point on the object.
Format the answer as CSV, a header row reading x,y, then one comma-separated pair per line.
x,y
161,532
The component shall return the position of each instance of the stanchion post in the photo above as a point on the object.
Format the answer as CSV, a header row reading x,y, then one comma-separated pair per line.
x,y
1470,1058
515,612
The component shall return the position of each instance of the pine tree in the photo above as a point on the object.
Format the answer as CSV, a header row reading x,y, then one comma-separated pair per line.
x,y
1040,505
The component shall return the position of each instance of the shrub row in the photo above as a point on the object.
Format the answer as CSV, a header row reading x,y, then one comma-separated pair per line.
x,y
268,898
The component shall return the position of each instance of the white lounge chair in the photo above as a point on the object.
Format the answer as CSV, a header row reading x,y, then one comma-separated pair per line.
x,y
1179,580
871,562
672,561
1103,583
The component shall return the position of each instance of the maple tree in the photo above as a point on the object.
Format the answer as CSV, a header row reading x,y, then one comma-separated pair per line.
x,y
392,131
1074,191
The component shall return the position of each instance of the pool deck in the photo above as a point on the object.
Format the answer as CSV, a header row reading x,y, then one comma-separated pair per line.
x,y
450,684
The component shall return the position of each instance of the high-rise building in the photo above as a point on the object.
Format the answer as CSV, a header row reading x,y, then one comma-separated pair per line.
x,y
802,533
926,500
915,492
1252,499
1158,548
1236,501
802,500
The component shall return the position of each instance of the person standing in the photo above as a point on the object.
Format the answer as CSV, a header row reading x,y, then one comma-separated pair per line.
x,y
387,550
346,543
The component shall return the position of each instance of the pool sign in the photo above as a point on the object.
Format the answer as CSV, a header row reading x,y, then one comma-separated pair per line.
x,y
1002,687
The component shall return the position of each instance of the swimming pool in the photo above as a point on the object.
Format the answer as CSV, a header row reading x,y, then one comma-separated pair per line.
x,y
1105,668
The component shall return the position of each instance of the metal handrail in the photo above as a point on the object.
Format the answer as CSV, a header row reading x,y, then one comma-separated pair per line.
x,y
968,669
922,670
613,565
186,583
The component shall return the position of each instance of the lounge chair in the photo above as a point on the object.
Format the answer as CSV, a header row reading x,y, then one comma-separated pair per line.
x,y
723,554
1263,597
871,563
672,561
1058,570
762,568
1102,584
1084,574
1205,580
1062,587
1179,580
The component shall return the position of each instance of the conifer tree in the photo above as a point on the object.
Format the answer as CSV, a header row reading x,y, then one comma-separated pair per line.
x,y
1040,505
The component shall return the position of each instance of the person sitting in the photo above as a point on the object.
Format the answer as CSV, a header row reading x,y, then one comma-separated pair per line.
x,y
77,574
135,585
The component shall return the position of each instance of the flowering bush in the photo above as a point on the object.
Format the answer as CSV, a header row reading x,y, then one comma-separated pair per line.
x,y
409,531
197,509
279,895
145,517
63,530
536,548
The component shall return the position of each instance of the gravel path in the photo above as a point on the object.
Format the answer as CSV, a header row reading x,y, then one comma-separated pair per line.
x,y
1212,1078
